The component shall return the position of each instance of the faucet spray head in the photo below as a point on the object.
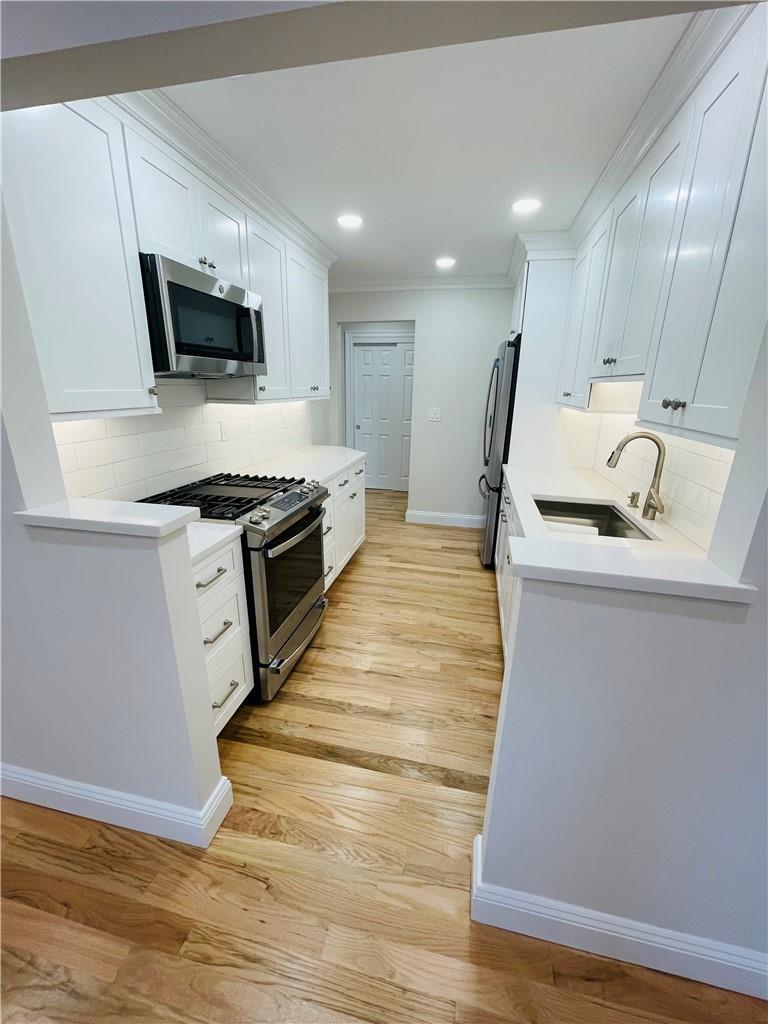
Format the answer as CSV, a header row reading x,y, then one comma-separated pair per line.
x,y
613,458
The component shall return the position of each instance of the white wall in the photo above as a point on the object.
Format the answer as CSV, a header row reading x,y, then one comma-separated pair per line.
x,y
132,457
457,334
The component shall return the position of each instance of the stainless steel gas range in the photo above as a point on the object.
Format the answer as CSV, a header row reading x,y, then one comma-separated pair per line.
x,y
282,556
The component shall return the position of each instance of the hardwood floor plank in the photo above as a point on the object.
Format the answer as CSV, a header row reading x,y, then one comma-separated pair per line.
x,y
337,889
65,942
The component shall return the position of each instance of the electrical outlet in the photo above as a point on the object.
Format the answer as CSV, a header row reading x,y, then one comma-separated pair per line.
x,y
434,415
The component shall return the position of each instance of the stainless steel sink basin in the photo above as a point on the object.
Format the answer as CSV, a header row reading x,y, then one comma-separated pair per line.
x,y
608,520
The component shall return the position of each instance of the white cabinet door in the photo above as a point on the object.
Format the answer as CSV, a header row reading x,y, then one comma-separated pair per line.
x,y
719,380
725,112
568,392
223,236
643,221
67,194
586,292
357,503
266,259
165,202
344,529
307,286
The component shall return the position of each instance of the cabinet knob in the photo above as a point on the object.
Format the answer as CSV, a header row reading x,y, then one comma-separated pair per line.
x,y
262,387
666,403
152,390
211,264
609,361
567,394
677,404
203,260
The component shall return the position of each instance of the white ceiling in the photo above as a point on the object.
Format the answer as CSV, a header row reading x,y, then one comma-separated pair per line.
x,y
430,147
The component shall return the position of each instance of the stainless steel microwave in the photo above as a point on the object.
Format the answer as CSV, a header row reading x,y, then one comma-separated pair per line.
x,y
200,326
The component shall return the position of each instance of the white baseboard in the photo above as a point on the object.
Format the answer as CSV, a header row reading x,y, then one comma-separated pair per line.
x,y
444,519
690,956
171,821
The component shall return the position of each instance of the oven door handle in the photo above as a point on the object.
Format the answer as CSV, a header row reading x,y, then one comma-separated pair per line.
x,y
283,666
274,552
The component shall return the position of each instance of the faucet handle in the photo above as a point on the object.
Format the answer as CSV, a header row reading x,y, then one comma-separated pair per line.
x,y
634,499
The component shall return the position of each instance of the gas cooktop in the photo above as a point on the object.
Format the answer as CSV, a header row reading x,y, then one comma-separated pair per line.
x,y
227,495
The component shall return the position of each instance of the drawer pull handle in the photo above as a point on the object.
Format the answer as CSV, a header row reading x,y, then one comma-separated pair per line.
x,y
226,624
233,685
328,571
353,495
343,483
327,530
359,471
219,572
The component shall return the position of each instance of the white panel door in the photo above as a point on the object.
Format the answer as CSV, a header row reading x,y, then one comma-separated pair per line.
x,y
165,203
223,237
382,385
266,259
726,104
67,195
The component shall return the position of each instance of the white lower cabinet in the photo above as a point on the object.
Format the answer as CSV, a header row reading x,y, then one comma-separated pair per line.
x,y
506,580
346,517
224,630
67,195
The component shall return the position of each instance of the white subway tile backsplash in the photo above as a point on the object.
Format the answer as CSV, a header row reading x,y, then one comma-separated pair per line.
x,y
85,482
692,483
131,457
162,441
106,451
70,431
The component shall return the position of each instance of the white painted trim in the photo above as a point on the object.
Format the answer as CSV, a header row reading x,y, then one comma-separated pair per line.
x,y
690,956
530,246
171,821
419,284
159,119
705,38
444,519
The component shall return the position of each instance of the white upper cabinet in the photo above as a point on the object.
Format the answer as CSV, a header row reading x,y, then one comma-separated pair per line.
x,y
182,217
692,377
643,221
223,237
165,202
266,257
68,199
307,287
586,291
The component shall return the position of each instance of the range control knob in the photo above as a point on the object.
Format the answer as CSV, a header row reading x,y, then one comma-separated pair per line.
x,y
313,485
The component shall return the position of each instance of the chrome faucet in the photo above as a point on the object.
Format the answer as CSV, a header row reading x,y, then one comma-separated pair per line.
x,y
653,502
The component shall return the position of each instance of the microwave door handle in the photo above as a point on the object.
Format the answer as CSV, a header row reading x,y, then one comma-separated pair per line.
x,y
281,548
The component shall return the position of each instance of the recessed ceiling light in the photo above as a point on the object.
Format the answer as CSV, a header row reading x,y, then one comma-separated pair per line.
x,y
525,206
349,220
445,262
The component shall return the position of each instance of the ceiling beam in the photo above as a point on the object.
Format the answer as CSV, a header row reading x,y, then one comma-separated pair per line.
x,y
296,38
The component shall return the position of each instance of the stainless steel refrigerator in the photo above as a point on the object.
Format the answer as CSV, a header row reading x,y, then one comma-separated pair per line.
x,y
499,407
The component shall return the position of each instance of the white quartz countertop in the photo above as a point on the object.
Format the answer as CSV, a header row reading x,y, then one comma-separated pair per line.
x,y
206,538
95,515
317,462
666,564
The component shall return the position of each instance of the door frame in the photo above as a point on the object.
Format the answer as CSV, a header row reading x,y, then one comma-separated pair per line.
x,y
399,332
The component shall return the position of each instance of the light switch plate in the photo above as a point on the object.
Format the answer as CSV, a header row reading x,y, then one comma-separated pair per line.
x,y
434,415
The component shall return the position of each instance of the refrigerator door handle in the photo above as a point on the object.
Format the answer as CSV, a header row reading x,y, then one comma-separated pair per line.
x,y
489,414
488,487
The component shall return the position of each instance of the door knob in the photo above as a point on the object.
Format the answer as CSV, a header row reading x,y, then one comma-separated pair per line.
x,y
357,426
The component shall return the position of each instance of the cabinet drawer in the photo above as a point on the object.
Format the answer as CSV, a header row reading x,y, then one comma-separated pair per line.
x,y
232,682
224,618
357,471
217,572
341,485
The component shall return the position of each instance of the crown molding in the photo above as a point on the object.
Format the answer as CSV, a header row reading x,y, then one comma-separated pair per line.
x,y
707,35
420,284
539,245
155,113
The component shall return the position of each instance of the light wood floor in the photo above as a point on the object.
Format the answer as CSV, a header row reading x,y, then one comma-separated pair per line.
x,y
337,890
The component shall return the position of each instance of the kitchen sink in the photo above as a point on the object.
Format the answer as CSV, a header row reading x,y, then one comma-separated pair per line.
x,y
608,520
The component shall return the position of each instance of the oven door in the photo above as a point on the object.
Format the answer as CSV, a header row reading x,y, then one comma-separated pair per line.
x,y
288,581
200,326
